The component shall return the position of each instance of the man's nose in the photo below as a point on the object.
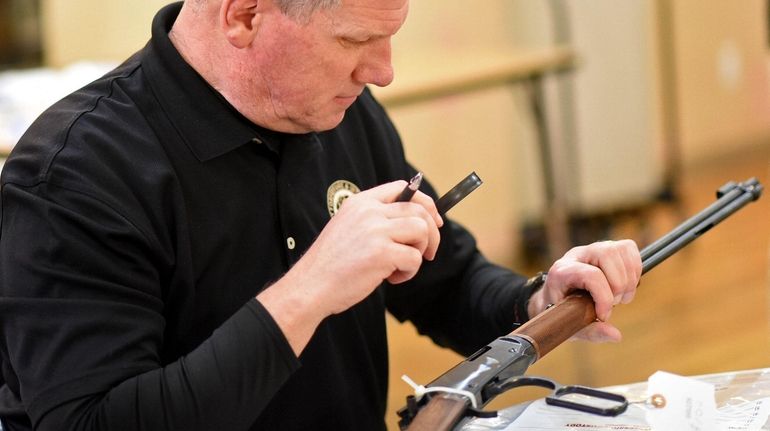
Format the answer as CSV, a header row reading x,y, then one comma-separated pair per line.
x,y
375,66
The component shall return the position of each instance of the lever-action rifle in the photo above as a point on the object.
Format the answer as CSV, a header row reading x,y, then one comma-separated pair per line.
x,y
500,365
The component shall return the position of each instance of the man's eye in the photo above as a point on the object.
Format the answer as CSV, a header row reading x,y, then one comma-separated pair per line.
x,y
354,41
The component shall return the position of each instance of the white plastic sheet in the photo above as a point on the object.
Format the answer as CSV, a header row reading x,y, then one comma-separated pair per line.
x,y
742,401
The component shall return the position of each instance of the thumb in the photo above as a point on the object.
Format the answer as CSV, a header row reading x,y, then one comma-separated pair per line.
x,y
387,192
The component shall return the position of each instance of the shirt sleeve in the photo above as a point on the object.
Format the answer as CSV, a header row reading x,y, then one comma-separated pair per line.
x,y
82,327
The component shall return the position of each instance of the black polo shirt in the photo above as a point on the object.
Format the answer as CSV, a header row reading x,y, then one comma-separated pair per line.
x,y
142,214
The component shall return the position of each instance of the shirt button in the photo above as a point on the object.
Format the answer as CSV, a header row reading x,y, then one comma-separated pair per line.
x,y
290,243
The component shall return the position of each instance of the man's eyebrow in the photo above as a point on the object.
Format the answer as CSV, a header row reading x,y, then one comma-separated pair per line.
x,y
364,31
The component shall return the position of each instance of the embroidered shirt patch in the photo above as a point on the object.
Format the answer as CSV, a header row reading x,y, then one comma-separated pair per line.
x,y
336,194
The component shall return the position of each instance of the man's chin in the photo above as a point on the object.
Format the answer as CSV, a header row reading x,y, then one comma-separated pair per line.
x,y
327,123
309,122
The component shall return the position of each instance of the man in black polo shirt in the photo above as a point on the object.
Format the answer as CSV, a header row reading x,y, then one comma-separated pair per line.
x,y
176,254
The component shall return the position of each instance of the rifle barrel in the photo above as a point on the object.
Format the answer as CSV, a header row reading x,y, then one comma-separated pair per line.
x,y
731,197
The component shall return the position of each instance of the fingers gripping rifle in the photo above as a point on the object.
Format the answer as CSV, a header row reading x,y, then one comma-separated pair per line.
x,y
500,365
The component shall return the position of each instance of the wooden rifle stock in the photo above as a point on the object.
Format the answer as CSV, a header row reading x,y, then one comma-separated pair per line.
x,y
442,413
563,320
559,322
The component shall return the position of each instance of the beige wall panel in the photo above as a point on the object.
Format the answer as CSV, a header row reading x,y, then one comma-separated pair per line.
x,y
95,30
616,160
722,75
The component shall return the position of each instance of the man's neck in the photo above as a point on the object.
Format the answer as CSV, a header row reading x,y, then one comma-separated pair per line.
x,y
202,45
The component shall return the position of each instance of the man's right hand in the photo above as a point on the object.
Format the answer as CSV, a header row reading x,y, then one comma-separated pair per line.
x,y
369,240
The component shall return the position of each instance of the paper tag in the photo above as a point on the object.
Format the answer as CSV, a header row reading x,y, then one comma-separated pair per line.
x,y
686,404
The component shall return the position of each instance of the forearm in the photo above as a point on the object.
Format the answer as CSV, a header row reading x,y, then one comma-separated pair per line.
x,y
223,384
293,308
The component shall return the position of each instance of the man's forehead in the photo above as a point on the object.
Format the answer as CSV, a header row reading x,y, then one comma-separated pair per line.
x,y
382,17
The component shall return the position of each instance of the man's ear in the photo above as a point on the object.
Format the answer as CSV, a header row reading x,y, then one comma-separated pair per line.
x,y
240,20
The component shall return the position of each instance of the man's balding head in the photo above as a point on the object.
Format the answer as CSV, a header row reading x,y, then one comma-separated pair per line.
x,y
296,9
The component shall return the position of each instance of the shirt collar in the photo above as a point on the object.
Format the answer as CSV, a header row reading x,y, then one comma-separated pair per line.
x,y
208,124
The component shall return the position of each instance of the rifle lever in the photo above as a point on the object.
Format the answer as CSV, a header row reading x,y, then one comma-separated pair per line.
x,y
618,403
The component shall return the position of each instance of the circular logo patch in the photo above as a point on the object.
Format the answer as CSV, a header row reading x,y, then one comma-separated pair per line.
x,y
337,193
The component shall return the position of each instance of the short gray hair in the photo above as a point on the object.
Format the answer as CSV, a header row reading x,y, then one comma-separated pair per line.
x,y
302,9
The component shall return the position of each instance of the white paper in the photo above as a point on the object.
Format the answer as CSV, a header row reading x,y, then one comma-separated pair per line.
x,y
539,416
747,416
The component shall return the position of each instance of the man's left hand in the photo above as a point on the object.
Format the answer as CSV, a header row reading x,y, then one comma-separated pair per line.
x,y
608,270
